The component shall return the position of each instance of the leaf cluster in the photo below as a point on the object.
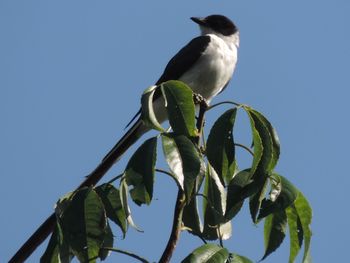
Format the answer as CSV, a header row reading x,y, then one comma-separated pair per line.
x,y
206,172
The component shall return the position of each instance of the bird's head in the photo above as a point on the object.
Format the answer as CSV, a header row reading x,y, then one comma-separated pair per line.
x,y
217,24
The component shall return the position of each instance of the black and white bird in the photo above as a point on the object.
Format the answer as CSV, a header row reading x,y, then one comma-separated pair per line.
x,y
205,64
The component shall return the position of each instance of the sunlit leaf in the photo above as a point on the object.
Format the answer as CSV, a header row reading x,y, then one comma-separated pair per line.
x,y
266,144
257,141
274,231
110,197
140,170
147,113
124,200
274,138
183,160
295,232
285,198
304,211
180,107
214,207
220,147
190,216
208,253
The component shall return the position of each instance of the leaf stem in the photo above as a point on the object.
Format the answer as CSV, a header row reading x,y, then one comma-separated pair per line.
x,y
126,253
170,174
224,102
164,172
115,178
245,147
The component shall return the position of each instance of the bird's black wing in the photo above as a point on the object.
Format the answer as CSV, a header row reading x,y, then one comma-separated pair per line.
x,y
180,63
184,59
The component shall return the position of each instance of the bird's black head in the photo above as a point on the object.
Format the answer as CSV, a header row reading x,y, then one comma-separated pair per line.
x,y
218,23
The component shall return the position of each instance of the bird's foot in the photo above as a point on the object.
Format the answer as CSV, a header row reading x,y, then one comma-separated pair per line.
x,y
199,99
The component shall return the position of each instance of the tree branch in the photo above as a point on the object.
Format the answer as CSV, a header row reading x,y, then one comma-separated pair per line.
x,y
176,229
181,198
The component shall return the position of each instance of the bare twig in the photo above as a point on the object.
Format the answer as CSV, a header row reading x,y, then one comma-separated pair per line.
x,y
143,260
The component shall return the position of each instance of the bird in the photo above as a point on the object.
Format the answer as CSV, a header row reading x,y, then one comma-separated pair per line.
x,y
206,64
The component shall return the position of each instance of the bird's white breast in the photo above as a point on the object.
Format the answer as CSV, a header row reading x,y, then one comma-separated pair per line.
x,y
214,68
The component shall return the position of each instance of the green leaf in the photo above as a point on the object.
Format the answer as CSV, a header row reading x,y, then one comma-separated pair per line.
x,y
124,200
62,203
304,211
190,216
107,242
266,144
147,112
256,200
183,160
274,139
214,206
65,253
236,193
140,171
274,231
208,253
257,142
110,197
51,254
286,197
220,148
191,219
295,232
83,224
180,107
234,258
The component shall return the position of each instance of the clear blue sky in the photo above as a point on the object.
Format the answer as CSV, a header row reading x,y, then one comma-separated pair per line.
x,y
71,75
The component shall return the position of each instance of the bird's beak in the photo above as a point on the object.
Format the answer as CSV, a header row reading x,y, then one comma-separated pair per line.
x,y
200,21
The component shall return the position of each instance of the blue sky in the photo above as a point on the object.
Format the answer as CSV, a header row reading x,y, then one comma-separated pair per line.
x,y
71,75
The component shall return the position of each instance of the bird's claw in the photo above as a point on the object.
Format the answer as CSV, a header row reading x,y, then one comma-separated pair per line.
x,y
199,99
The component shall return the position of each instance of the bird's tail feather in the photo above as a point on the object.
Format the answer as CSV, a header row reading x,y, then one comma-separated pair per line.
x,y
129,138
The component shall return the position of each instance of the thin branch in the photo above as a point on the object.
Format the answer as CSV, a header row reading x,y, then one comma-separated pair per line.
x,y
126,253
176,229
245,147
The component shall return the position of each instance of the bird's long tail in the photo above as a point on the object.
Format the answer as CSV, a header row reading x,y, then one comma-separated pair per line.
x,y
129,138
